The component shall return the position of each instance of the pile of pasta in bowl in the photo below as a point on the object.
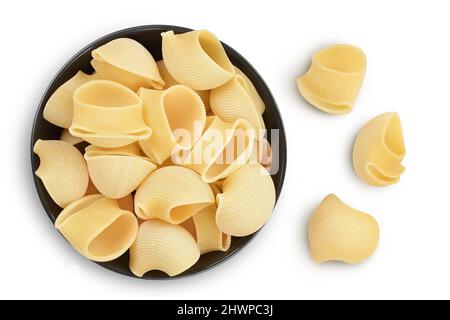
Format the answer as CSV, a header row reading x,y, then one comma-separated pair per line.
x,y
167,160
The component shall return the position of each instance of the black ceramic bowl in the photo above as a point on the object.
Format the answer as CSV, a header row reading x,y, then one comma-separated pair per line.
x,y
149,36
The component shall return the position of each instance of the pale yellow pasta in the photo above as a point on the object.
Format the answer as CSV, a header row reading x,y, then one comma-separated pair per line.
x,y
256,98
262,153
246,202
339,232
222,149
108,114
116,173
209,237
62,169
125,203
196,59
232,101
162,246
170,81
333,81
59,107
173,194
97,228
379,150
171,113
128,62
67,137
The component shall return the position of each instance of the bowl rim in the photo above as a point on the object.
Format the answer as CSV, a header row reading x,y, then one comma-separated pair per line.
x,y
123,33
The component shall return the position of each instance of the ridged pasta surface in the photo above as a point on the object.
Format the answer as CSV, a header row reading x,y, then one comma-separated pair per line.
x,y
379,150
128,62
97,228
173,194
162,246
196,59
62,169
246,202
339,232
59,107
67,137
250,88
108,114
171,113
334,79
222,149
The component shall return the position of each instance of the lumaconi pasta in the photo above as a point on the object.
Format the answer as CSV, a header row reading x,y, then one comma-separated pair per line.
x,y
173,194
97,228
250,88
176,110
196,59
262,153
128,62
233,101
116,173
333,81
222,149
339,232
379,150
67,137
62,169
162,246
125,203
209,237
108,114
170,81
247,201
59,107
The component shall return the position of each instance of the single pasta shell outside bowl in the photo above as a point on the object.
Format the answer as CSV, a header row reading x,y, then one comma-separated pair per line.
x,y
150,37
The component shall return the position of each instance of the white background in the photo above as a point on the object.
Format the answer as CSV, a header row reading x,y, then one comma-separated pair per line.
x,y
408,51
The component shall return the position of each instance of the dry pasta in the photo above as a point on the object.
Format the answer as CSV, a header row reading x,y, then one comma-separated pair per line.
x,y
128,62
117,172
250,88
173,194
170,81
339,232
333,81
379,150
262,153
176,110
97,228
108,114
246,202
196,59
62,169
222,149
59,107
67,137
233,101
162,246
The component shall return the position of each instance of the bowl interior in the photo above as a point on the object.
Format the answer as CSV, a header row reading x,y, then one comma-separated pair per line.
x,y
149,36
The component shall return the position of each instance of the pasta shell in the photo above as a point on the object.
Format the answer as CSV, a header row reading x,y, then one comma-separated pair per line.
x,y
97,228
209,237
162,246
59,107
250,88
178,115
67,137
222,149
339,232
117,174
196,59
173,194
108,114
247,201
262,153
125,203
62,169
233,101
170,81
334,79
379,150
128,62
